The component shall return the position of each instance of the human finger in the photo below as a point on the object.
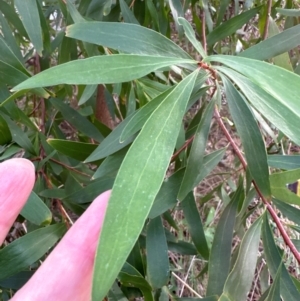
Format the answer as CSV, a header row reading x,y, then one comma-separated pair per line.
x,y
67,273
16,182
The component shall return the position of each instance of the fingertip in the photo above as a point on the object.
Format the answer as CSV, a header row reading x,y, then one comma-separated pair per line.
x,y
17,177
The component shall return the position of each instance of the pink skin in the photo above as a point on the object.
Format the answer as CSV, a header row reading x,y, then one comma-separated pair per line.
x,y
67,272
16,182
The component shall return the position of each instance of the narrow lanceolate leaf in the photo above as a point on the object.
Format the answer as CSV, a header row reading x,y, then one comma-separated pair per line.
x,y
290,212
18,135
111,164
125,37
231,26
280,191
284,161
79,122
5,135
36,211
289,12
167,196
130,277
240,278
7,55
282,60
104,69
138,181
29,14
190,34
26,250
73,149
274,293
197,152
139,118
195,226
219,262
111,143
288,289
127,14
250,135
281,111
158,268
275,45
262,73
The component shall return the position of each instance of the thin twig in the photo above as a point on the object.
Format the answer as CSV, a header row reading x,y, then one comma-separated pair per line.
x,y
266,29
271,210
186,144
186,285
70,167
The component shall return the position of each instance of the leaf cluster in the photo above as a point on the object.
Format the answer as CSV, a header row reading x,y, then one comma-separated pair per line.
x,y
116,95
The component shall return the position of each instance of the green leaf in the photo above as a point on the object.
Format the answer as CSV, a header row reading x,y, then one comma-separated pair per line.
x,y
275,45
282,60
250,135
74,12
231,26
111,164
288,289
219,261
18,135
289,12
7,56
240,278
279,189
10,151
158,268
210,298
111,143
290,212
182,247
74,149
137,121
284,161
281,111
274,292
125,37
12,16
17,281
130,277
222,10
177,11
195,160
190,34
194,224
167,195
5,135
36,211
88,92
31,20
10,75
91,191
127,14
78,121
101,69
137,183
26,250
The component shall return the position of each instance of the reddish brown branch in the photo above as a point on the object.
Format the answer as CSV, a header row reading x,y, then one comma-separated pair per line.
x,y
271,210
186,144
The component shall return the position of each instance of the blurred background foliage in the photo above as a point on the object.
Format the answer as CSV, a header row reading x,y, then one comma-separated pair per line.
x,y
187,96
